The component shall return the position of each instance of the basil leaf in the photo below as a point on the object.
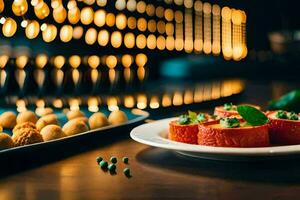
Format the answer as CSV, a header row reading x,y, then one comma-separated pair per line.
x,y
288,102
193,117
252,115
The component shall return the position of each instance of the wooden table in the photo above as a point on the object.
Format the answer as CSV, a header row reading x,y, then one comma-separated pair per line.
x,y
156,174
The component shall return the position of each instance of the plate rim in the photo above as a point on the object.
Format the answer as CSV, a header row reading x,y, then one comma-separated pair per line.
x,y
161,142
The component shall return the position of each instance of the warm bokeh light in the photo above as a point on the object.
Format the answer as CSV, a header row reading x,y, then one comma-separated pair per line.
x,y
116,39
66,33
77,32
59,61
141,41
129,40
9,27
93,61
127,60
103,37
41,10
110,19
41,60
49,34
59,14
32,30
121,21
19,7
75,61
87,15
99,18
141,60
111,61
91,36
21,61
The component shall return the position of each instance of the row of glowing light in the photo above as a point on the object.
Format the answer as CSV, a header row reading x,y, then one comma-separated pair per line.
x,y
93,61
232,47
142,101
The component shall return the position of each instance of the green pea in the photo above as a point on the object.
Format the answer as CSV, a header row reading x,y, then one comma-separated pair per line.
x,y
126,172
113,160
112,167
99,159
103,164
125,160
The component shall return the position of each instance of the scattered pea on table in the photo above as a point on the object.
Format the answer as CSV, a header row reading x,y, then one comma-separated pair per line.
x,y
113,159
99,159
112,167
103,164
126,172
125,160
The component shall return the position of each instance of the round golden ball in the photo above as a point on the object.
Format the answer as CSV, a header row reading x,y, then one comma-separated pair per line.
x,y
27,136
8,119
74,127
97,120
23,125
46,120
74,114
52,132
26,116
5,141
117,117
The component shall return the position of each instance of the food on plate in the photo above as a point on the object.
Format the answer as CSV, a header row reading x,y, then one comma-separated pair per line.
x,y
251,131
97,120
27,136
284,127
185,129
74,127
8,119
52,132
23,125
117,117
74,114
288,102
232,132
228,109
26,116
5,141
46,120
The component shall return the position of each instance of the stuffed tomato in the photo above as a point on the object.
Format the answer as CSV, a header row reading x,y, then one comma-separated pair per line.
x,y
228,110
185,129
284,127
233,132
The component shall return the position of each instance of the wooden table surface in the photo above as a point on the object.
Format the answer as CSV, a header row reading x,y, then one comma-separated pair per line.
x,y
156,174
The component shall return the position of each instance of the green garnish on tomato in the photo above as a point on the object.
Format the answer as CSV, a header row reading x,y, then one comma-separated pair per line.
x,y
252,115
281,115
292,116
229,106
229,122
191,118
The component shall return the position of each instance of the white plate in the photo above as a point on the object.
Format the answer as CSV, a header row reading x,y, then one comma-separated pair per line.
x,y
155,134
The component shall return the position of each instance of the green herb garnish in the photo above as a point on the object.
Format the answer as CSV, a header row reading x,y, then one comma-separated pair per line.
x,y
113,159
201,117
292,116
252,115
183,119
125,160
228,106
230,122
126,172
281,114
191,118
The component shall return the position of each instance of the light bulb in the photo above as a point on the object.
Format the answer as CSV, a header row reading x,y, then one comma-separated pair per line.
x,y
116,39
103,37
66,33
49,34
121,21
9,27
32,29
19,7
99,18
129,40
59,14
41,10
87,15
74,15
91,36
